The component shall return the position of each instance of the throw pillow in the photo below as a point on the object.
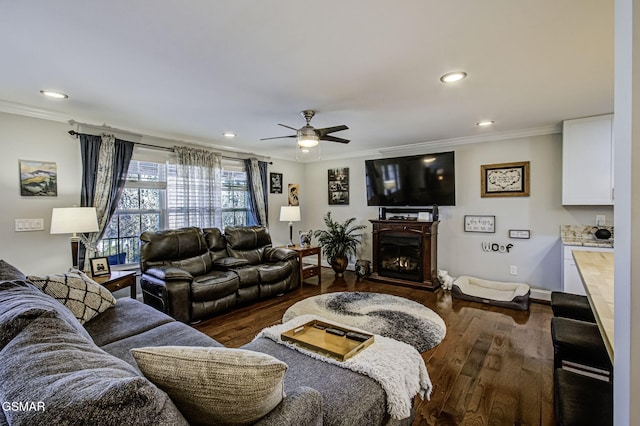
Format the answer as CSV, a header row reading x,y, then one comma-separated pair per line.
x,y
82,295
9,272
215,385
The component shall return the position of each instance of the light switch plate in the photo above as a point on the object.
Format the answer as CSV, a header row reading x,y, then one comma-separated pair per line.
x,y
26,225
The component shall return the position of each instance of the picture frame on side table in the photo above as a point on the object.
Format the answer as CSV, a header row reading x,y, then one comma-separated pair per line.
x,y
480,223
504,180
100,266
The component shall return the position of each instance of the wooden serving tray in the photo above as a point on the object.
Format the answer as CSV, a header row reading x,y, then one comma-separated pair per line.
x,y
314,337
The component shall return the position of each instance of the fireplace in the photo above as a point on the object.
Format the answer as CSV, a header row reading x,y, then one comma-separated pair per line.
x,y
400,257
405,252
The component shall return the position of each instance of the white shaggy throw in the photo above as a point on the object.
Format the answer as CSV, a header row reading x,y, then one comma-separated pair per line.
x,y
396,366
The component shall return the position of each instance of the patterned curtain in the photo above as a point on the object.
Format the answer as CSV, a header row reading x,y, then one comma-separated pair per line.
x,y
256,183
194,194
105,162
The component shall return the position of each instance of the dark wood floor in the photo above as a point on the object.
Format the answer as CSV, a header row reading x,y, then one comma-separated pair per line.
x,y
494,367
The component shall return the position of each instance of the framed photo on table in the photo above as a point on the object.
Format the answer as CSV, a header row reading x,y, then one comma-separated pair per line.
x,y
100,266
504,180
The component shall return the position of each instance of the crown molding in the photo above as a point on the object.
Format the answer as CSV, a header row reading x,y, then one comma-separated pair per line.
x,y
30,111
34,112
466,140
448,143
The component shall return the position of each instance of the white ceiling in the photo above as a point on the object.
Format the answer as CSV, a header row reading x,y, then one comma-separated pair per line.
x,y
191,70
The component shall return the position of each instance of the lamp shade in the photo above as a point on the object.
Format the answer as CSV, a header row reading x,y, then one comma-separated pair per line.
x,y
290,213
69,220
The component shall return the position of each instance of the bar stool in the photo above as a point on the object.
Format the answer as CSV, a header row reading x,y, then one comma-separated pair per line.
x,y
581,400
572,306
581,343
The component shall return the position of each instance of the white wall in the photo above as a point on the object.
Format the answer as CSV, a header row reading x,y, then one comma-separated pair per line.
x,y
292,172
538,259
23,138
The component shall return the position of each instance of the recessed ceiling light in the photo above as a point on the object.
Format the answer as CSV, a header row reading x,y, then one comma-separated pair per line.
x,y
54,94
229,135
451,77
484,123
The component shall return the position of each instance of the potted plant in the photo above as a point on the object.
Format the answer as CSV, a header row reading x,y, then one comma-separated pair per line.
x,y
338,242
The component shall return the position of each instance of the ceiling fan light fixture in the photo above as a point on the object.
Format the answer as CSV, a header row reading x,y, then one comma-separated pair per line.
x,y
54,94
454,76
308,141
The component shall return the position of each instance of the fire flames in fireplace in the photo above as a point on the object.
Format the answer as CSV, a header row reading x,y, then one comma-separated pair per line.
x,y
400,257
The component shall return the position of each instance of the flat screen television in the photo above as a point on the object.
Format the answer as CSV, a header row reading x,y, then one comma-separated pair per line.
x,y
417,180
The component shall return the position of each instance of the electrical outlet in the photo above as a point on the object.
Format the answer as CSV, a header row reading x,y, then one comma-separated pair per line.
x,y
600,220
513,270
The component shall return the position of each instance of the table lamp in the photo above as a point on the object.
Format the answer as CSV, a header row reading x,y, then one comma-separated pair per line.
x,y
71,220
291,214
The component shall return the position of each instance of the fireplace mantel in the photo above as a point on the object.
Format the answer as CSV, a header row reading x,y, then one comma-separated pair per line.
x,y
424,233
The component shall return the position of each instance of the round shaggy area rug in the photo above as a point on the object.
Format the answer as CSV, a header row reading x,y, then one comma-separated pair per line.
x,y
390,316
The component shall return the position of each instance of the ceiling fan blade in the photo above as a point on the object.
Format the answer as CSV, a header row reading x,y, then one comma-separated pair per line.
x,y
327,130
288,127
279,137
333,139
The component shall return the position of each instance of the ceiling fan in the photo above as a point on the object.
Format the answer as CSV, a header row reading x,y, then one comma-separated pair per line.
x,y
308,136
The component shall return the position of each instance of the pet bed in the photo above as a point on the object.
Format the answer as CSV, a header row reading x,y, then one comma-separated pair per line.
x,y
496,293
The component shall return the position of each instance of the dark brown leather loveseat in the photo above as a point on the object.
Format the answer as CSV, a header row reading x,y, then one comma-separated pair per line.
x,y
193,273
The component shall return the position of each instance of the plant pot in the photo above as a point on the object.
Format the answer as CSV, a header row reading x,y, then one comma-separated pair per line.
x,y
339,265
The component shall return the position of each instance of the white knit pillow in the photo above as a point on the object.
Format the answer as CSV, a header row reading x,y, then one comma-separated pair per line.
x,y
84,297
215,385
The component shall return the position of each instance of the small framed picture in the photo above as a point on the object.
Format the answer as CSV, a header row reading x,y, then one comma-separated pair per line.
x,y
479,223
524,234
100,266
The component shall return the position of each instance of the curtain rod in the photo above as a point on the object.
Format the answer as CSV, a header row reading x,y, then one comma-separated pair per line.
x,y
165,148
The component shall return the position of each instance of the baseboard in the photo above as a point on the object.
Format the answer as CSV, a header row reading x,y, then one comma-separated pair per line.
x,y
540,294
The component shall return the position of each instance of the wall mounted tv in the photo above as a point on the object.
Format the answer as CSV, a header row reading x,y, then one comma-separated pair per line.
x,y
417,180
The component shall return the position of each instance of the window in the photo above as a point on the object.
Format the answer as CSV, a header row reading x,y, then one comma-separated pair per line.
x,y
141,208
144,206
235,195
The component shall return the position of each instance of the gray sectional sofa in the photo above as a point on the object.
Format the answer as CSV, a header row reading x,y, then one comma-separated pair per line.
x,y
87,374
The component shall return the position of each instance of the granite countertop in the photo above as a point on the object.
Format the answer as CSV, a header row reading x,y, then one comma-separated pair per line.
x,y
581,235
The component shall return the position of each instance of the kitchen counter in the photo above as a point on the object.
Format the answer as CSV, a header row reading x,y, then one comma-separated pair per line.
x,y
579,235
596,272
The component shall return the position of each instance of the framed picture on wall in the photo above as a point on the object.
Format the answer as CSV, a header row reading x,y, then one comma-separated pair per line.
x,y
338,185
505,180
294,194
275,183
479,223
38,178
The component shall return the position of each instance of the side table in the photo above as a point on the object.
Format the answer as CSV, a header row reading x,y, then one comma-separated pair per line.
x,y
118,280
308,270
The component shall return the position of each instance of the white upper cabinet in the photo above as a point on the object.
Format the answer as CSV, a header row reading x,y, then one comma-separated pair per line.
x,y
587,161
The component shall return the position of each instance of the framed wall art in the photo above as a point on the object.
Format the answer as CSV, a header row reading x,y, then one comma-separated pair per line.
x,y
479,223
505,180
338,186
38,178
275,183
294,194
